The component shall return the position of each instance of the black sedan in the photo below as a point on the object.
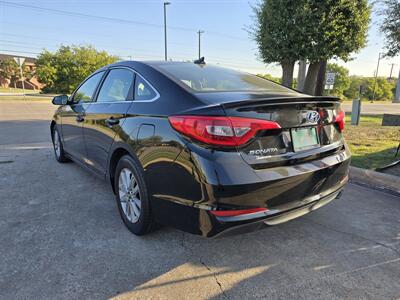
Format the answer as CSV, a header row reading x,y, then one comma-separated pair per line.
x,y
202,148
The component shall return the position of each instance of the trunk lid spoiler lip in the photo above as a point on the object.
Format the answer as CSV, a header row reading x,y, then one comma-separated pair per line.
x,y
279,100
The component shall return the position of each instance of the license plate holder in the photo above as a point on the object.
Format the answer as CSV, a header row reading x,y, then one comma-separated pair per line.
x,y
304,138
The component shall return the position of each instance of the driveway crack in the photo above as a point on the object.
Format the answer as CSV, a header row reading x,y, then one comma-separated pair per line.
x,y
183,244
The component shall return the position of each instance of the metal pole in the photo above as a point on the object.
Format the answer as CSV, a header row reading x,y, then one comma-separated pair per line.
x,y
200,32
376,77
22,80
165,30
397,96
391,71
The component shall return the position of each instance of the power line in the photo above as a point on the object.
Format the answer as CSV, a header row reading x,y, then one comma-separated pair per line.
x,y
109,19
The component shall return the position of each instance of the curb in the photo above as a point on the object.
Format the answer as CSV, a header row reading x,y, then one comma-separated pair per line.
x,y
380,181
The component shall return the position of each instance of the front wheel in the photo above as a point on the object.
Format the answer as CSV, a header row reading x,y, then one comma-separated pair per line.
x,y
131,195
58,146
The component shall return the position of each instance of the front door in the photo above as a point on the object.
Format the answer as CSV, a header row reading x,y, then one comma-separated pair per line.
x,y
73,117
104,117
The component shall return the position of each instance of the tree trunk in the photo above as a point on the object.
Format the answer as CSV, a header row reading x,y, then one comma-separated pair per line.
x,y
320,85
287,72
311,78
301,75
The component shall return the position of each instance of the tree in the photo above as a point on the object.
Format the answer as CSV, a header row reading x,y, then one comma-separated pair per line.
x,y
270,77
352,92
342,79
391,26
62,71
384,89
336,29
313,30
279,32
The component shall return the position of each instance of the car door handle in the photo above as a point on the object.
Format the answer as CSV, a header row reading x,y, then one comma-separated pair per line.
x,y
111,122
80,118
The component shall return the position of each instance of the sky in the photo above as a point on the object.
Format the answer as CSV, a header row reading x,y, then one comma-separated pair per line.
x,y
133,29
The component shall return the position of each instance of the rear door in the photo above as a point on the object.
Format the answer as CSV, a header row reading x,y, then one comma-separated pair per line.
x,y
309,130
74,115
105,116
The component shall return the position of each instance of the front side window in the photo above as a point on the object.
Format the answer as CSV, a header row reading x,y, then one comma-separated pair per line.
x,y
143,91
86,91
117,86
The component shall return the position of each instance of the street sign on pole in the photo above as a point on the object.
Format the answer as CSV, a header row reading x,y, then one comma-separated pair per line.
x,y
330,80
20,61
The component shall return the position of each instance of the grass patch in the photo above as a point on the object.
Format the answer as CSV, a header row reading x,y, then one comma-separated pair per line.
x,y
14,90
38,97
371,144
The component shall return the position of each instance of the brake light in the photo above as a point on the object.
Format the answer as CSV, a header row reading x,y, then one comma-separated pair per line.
x,y
237,212
221,131
339,119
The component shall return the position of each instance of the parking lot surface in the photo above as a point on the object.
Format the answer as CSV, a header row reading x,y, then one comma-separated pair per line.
x,y
61,238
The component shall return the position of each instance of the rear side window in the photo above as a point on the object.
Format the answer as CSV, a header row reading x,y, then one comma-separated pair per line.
x,y
143,91
117,86
206,78
86,91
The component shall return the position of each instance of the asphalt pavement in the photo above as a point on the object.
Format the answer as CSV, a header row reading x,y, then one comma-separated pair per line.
x,y
375,108
61,238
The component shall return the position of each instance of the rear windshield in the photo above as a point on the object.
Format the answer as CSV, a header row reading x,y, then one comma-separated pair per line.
x,y
206,78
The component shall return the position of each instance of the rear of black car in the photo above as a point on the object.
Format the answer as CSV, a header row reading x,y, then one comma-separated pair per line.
x,y
261,157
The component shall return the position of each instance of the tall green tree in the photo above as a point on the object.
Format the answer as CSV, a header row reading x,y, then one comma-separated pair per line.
x,y
279,30
62,71
391,26
338,29
313,30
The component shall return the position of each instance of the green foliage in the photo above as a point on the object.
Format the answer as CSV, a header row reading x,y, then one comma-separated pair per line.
x,y
10,70
384,88
270,77
62,71
279,30
313,30
342,80
335,29
391,26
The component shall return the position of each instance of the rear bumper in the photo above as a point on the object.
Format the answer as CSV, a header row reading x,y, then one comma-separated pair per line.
x,y
276,217
204,185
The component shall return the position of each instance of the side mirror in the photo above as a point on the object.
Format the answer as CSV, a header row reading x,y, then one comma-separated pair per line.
x,y
60,100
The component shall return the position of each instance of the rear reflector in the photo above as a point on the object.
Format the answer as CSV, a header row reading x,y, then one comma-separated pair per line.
x,y
340,120
221,131
238,212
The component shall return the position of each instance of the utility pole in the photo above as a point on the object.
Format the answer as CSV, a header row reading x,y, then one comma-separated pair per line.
x,y
165,30
376,76
199,33
391,70
397,97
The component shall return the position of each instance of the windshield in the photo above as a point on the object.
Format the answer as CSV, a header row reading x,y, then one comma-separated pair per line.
x,y
203,78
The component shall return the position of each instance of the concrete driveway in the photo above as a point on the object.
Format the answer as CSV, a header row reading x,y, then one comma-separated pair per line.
x,y
61,238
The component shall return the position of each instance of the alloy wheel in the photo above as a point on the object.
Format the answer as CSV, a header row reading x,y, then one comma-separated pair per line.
x,y
129,195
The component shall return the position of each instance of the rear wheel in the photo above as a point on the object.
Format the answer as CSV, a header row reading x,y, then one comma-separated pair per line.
x,y
58,146
131,195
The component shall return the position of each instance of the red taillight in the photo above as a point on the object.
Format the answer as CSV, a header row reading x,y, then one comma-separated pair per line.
x,y
221,131
339,119
237,212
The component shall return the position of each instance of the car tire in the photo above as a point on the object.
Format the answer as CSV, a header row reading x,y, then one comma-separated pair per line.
x,y
58,146
131,195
